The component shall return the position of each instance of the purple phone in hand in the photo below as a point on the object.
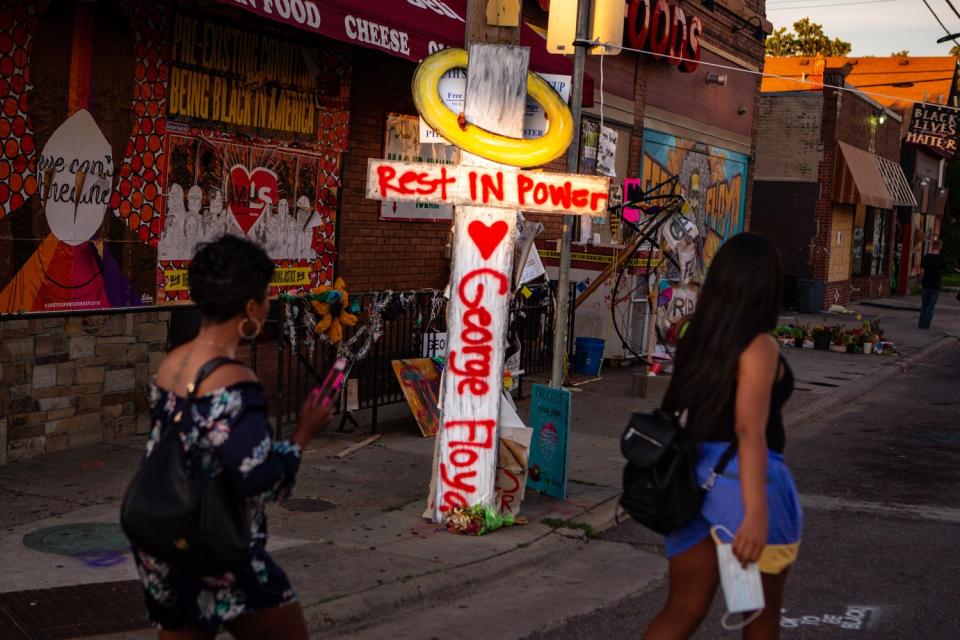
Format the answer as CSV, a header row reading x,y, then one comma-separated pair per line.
x,y
324,394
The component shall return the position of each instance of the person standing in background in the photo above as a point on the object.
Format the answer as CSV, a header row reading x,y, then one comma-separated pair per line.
x,y
933,265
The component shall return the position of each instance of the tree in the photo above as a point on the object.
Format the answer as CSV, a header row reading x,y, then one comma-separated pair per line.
x,y
900,54
806,39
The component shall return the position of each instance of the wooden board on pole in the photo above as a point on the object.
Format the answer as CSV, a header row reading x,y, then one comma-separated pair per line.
x,y
506,187
483,243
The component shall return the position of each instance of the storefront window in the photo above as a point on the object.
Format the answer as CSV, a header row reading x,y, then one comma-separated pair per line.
x,y
871,237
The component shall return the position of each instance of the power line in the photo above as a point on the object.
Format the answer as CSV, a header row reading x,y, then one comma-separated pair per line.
x,y
783,3
894,85
953,8
763,74
910,82
824,6
937,18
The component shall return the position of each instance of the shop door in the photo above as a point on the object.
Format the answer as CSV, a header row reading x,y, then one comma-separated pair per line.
x,y
841,243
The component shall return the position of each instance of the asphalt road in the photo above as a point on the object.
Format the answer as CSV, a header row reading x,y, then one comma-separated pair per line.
x,y
880,557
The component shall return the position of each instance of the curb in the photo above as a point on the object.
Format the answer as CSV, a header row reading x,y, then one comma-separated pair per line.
x,y
884,305
870,383
355,612
364,609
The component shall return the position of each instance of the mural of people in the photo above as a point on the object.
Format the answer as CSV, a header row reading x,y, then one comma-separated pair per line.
x,y
216,219
713,183
712,180
76,256
171,238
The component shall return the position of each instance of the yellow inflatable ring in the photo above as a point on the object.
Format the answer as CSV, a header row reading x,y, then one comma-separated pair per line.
x,y
517,152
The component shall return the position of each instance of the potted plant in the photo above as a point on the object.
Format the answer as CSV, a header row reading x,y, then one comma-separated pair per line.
x,y
839,340
784,336
799,335
855,342
869,340
808,338
822,337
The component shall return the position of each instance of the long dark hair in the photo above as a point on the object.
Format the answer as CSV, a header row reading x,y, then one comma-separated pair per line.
x,y
739,300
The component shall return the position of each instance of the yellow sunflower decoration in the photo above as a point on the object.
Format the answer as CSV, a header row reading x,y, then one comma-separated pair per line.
x,y
332,307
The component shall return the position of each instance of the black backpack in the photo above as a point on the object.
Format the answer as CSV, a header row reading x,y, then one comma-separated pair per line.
x,y
660,488
195,522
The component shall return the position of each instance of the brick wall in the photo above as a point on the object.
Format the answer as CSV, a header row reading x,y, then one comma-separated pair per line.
x,y
68,382
378,254
857,125
864,287
837,293
788,136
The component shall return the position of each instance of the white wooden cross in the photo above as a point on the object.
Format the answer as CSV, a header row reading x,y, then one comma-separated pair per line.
x,y
488,196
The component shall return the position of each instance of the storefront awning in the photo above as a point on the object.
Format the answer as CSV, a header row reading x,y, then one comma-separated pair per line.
x,y
410,29
859,180
897,184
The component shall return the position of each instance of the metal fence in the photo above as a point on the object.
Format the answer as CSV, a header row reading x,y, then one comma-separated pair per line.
x,y
289,373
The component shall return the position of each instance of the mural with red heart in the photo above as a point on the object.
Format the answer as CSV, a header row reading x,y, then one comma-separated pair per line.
x,y
249,194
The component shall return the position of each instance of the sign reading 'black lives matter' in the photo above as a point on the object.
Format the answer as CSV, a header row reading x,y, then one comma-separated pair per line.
x,y
934,125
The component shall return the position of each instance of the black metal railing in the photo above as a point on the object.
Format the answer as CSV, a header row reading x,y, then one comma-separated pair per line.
x,y
289,373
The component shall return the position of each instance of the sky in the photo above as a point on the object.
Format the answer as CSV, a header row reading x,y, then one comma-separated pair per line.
x,y
874,27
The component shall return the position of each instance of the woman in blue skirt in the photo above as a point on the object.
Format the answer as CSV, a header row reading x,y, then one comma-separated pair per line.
x,y
732,383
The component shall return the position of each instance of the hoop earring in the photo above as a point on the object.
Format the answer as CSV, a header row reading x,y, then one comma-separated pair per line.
x,y
249,335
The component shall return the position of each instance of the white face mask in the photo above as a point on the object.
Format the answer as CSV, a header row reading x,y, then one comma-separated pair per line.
x,y
742,588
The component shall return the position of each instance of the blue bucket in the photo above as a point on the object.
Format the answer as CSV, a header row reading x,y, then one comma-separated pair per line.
x,y
589,355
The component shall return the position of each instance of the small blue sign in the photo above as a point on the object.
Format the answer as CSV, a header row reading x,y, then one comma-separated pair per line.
x,y
550,419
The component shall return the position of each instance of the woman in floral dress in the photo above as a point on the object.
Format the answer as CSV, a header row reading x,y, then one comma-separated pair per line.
x,y
226,431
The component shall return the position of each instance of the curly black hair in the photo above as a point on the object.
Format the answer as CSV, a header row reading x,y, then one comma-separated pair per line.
x,y
227,273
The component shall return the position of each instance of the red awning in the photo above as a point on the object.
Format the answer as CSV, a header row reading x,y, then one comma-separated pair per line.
x,y
411,29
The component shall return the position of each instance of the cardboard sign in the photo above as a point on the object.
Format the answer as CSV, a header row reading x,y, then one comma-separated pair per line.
x,y
502,187
453,89
401,143
434,344
550,419
420,383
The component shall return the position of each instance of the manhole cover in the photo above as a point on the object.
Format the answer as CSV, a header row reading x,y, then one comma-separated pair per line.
x,y
78,539
307,504
71,612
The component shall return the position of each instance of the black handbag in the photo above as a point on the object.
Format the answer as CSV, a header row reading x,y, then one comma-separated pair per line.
x,y
660,488
195,522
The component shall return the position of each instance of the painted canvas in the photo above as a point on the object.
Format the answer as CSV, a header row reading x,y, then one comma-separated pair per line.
x,y
550,419
420,383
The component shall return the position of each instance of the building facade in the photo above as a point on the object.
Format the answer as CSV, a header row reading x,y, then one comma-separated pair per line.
x,y
920,90
828,184
132,130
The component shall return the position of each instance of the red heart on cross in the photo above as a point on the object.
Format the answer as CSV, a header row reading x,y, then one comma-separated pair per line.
x,y
487,237
250,193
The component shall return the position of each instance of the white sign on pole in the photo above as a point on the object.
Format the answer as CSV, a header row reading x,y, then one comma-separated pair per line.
x,y
497,186
607,152
453,88
402,144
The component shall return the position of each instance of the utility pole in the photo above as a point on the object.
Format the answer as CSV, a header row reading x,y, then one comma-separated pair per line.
x,y
573,157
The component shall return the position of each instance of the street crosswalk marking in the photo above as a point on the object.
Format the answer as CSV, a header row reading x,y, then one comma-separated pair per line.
x,y
887,509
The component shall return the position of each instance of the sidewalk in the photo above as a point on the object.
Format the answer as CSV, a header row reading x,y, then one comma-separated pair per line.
x,y
352,540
